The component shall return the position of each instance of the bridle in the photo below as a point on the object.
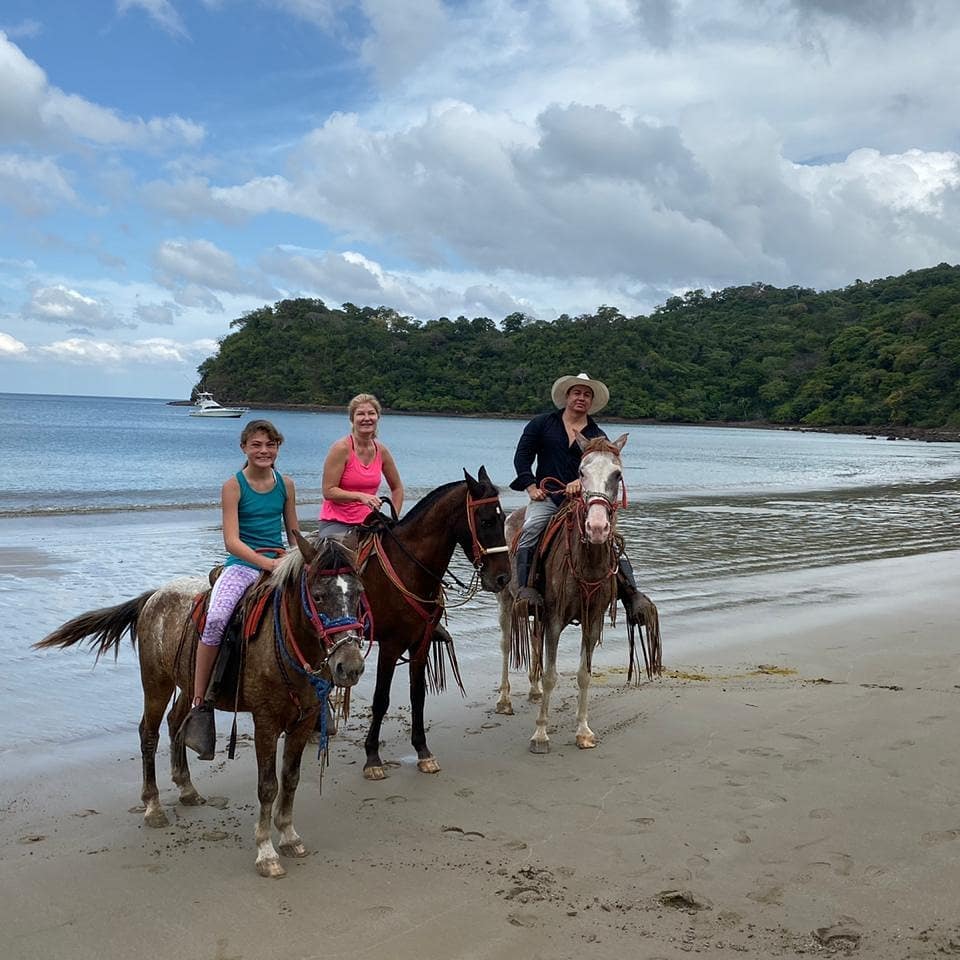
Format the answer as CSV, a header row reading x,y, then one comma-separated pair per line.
x,y
478,550
325,627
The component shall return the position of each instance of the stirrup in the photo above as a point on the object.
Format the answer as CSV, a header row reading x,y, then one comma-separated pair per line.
x,y
199,731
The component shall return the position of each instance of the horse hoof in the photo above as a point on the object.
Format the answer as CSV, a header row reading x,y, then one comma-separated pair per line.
x,y
585,742
271,869
295,850
506,709
156,818
534,697
374,773
539,746
428,765
190,798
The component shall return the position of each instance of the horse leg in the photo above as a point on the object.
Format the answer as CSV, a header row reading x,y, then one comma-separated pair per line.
x,y
504,704
290,843
586,738
155,699
540,742
179,771
535,672
268,862
373,767
426,761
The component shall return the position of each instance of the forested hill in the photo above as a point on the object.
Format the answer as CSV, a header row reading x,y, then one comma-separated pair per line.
x,y
884,353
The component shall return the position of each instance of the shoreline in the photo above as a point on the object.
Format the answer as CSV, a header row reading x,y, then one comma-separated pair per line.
x,y
885,432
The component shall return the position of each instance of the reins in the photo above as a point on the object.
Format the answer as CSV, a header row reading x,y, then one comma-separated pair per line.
x,y
325,628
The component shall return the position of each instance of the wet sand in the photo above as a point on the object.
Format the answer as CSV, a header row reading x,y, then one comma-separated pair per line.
x,y
790,792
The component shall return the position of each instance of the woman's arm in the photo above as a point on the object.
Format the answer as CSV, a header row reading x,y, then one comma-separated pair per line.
x,y
392,475
229,504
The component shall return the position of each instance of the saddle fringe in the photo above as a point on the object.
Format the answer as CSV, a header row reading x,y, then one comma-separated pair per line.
x,y
436,666
648,627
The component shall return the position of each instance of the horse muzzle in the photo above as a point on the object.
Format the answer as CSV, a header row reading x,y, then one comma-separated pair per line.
x,y
345,662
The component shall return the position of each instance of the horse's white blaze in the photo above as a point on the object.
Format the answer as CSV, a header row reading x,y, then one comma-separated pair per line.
x,y
344,588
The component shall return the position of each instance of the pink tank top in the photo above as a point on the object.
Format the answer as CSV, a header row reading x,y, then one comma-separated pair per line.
x,y
356,478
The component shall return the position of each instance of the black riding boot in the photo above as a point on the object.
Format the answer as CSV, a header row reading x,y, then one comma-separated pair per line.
x,y
525,590
628,591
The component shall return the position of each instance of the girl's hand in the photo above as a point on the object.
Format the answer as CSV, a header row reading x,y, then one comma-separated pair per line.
x,y
372,502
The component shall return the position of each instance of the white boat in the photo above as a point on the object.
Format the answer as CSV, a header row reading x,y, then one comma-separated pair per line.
x,y
206,406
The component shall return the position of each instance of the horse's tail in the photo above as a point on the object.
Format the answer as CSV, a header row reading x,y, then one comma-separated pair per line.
x,y
650,643
104,628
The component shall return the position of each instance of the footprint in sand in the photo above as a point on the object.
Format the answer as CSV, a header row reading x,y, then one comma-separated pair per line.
x,y
800,766
523,919
820,813
759,752
218,803
840,863
939,836
214,835
769,895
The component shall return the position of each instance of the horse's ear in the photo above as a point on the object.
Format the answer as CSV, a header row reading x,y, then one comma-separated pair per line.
x,y
475,489
621,441
582,441
307,550
484,477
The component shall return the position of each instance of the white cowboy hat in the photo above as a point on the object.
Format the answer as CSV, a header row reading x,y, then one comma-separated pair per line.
x,y
601,395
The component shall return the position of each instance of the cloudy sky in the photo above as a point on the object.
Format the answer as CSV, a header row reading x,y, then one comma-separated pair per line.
x,y
167,165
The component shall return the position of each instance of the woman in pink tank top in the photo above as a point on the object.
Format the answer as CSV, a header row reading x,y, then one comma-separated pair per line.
x,y
352,473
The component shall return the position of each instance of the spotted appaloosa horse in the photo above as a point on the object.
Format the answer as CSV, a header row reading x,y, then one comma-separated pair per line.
x,y
580,584
403,570
308,640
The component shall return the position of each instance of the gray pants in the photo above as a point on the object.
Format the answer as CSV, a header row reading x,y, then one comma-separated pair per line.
x,y
334,530
535,521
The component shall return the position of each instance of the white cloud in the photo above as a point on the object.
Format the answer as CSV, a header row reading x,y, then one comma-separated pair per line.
x,y
60,304
27,28
199,263
105,353
157,313
11,347
339,277
161,12
33,186
403,35
33,111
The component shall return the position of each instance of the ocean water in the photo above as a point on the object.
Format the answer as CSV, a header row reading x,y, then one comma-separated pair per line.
x,y
102,498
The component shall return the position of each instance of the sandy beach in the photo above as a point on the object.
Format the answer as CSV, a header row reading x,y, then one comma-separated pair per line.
x,y
791,793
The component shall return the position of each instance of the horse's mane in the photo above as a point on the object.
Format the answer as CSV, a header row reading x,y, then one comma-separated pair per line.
x,y
601,445
430,499
331,554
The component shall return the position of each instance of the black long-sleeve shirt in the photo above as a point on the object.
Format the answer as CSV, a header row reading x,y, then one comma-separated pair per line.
x,y
544,439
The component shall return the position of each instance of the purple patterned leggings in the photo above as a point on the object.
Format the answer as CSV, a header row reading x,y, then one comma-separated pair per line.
x,y
226,594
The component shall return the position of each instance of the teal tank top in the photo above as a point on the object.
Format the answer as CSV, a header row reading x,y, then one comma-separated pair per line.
x,y
261,517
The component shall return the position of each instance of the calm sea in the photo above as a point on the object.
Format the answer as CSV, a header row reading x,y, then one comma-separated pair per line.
x,y
102,498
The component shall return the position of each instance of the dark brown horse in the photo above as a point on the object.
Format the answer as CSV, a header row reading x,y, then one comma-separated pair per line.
x,y
308,640
403,568
580,585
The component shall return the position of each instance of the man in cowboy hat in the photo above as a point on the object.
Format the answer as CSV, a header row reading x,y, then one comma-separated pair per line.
x,y
550,439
